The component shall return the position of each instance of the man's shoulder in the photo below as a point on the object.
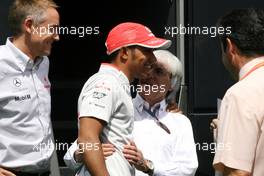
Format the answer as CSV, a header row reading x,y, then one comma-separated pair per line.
x,y
245,95
45,63
178,123
175,117
2,47
241,90
98,78
45,60
4,52
101,81
5,58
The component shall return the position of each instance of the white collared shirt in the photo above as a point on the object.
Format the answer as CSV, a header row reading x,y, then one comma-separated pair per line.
x,y
25,127
241,129
106,96
172,154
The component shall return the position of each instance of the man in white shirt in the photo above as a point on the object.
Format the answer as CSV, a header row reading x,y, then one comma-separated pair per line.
x,y
25,128
105,106
164,138
240,137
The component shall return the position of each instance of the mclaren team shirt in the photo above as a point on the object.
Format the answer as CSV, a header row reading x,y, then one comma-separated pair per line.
x,y
25,127
106,96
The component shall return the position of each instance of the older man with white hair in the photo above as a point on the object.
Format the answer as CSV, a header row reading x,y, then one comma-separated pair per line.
x,y
174,66
164,138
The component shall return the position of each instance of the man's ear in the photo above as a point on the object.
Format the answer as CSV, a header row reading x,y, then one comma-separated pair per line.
x,y
28,25
231,50
124,53
170,84
170,87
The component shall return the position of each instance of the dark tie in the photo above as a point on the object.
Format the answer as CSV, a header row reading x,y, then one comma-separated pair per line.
x,y
153,114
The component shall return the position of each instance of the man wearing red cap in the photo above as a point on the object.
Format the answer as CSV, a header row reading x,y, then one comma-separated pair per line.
x,y
105,105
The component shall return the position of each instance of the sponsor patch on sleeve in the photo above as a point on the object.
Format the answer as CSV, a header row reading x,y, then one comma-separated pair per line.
x,y
98,95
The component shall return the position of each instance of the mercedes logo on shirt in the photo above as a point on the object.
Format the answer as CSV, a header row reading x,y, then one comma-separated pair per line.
x,y
17,82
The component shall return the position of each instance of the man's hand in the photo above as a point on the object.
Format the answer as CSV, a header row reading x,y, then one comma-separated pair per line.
x,y
108,150
235,172
4,172
227,171
135,157
214,126
78,156
214,123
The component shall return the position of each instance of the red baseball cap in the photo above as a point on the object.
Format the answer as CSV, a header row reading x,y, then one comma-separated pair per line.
x,y
127,34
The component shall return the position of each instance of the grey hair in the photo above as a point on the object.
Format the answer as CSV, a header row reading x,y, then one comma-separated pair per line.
x,y
22,9
173,66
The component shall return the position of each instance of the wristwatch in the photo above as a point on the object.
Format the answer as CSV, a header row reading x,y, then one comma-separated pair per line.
x,y
150,166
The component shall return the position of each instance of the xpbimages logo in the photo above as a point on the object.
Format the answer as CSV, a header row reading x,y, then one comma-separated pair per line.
x,y
212,31
64,146
80,31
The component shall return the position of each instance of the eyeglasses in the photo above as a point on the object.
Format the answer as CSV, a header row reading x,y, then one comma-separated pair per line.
x,y
153,114
159,70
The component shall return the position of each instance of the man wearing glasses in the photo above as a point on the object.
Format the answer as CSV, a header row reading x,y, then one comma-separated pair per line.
x,y
164,138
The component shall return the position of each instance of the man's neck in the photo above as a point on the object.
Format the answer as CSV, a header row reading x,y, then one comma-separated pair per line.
x,y
150,101
243,60
123,68
20,43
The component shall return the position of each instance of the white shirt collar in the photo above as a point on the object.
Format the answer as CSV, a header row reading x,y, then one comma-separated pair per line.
x,y
105,67
139,102
22,60
246,68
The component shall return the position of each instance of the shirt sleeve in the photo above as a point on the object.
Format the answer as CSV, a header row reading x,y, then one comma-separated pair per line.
x,y
69,158
238,133
96,100
184,161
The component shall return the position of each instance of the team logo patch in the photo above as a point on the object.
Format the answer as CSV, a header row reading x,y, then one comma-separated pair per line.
x,y
98,95
17,82
22,98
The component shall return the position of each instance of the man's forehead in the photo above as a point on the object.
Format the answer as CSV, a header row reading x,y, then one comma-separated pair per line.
x,y
52,16
144,48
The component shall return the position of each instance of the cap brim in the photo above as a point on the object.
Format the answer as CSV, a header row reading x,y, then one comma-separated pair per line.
x,y
155,43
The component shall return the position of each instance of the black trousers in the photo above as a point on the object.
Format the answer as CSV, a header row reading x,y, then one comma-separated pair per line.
x,y
18,173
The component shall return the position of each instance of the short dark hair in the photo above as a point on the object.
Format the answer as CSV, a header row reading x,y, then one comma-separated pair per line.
x,y
113,55
247,30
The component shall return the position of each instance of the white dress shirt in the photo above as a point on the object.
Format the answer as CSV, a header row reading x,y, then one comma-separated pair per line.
x,y
25,127
172,154
106,96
